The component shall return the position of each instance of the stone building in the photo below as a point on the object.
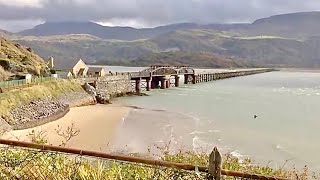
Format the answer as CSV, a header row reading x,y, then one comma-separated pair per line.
x,y
80,69
96,72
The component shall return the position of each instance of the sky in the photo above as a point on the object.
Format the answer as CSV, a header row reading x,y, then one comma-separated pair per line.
x,y
17,15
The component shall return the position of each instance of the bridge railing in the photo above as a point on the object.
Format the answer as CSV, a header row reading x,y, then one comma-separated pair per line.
x,y
140,74
163,70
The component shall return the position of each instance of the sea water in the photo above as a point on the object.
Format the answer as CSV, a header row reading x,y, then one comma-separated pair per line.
x,y
221,113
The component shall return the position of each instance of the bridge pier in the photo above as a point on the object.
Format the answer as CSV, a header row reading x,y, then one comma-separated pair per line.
x,y
167,83
138,85
148,84
163,83
193,78
153,84
176,81
186,78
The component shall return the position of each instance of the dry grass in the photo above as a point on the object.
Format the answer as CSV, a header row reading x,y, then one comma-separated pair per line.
x,y
14,98
4,75
25,164
21,56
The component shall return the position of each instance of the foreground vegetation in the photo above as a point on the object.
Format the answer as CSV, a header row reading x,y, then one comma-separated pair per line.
x,y
23,164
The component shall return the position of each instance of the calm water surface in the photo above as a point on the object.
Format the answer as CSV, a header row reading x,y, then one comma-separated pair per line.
x,y
220,113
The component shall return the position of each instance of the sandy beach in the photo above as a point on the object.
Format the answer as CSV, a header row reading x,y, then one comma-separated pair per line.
x,y
96,124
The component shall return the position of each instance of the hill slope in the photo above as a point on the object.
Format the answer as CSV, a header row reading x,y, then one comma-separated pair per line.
x,y
294,25
16,58
199,59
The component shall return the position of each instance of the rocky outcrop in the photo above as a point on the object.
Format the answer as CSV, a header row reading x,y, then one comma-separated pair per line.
x,y
35,111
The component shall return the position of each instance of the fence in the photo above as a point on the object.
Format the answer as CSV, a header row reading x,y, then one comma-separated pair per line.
x,y
6,84
16,84
22,160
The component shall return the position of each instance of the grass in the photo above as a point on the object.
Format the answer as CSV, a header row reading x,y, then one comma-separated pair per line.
x,y
14,98
24,163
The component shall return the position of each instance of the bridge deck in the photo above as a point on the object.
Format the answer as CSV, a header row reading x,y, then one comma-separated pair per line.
x,y
162,71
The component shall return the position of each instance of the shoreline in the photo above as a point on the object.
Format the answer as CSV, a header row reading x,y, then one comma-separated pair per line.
x,y
97,125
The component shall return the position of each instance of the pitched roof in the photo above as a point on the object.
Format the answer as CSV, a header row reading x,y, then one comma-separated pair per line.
x,y
70,65
95,69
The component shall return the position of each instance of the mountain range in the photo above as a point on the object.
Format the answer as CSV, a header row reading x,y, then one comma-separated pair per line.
x,y
288,40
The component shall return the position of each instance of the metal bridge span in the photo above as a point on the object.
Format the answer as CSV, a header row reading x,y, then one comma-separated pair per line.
x,y
163,77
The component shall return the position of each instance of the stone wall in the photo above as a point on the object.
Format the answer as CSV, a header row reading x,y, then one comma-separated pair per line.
x,y
113,85
36,113
57,115
76,99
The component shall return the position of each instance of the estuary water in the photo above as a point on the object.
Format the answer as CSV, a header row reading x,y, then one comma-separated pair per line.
x,y
221,113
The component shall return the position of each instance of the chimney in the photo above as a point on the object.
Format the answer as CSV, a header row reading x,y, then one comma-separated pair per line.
x,y
50,62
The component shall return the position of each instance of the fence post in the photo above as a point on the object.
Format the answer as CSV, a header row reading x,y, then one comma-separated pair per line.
x,y
215,165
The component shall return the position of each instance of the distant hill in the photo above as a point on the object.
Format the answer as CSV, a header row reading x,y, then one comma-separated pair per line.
x,y
262,50
289,40
199,59
294,25
16,59
121,33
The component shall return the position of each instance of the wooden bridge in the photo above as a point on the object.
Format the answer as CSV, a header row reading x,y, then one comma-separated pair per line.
x,y
158,76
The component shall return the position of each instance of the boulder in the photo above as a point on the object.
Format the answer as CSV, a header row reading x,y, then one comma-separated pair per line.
x,y
103,98
90,89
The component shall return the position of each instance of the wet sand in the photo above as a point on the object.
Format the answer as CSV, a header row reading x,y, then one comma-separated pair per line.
x,y
97,125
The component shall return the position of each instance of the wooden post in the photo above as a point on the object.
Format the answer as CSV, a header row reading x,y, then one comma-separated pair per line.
x,y
215,165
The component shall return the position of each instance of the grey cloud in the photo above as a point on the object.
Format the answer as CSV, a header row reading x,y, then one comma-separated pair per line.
x,y
157,12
